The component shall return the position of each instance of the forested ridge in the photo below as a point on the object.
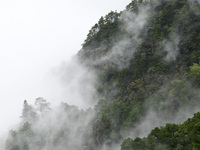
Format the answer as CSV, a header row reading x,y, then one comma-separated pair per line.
x,y
146,60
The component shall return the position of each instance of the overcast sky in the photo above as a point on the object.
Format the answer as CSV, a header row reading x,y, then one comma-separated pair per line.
x,y
36,35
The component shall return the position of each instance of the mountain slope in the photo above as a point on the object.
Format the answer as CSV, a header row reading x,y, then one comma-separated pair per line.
x,y
178,137
146,60
146,65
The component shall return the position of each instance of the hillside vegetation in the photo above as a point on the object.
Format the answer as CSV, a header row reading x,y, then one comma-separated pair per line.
x,y
147,62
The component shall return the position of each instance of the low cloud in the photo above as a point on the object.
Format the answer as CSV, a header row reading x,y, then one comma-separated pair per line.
x,y
59,128
78,83
166,106
171,47
123,47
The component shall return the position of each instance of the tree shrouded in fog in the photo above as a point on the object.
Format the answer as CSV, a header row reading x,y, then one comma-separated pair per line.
x,y
28,113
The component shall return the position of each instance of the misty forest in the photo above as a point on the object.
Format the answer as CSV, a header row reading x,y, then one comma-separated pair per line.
x,y
137,76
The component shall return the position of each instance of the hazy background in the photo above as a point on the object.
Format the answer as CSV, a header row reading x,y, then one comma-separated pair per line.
x,y
36,36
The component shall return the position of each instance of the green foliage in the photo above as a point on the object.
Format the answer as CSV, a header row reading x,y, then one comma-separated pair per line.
x,y
127,144
195,74
104,29
149,82
172,136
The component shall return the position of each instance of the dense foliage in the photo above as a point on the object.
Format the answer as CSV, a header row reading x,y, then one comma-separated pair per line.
x,y
185,136
147,60
161,71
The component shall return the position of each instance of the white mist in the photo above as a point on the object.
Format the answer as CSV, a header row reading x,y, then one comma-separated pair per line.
x,y
34,37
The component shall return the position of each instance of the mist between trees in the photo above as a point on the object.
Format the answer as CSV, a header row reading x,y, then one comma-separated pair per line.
x,y
138,69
